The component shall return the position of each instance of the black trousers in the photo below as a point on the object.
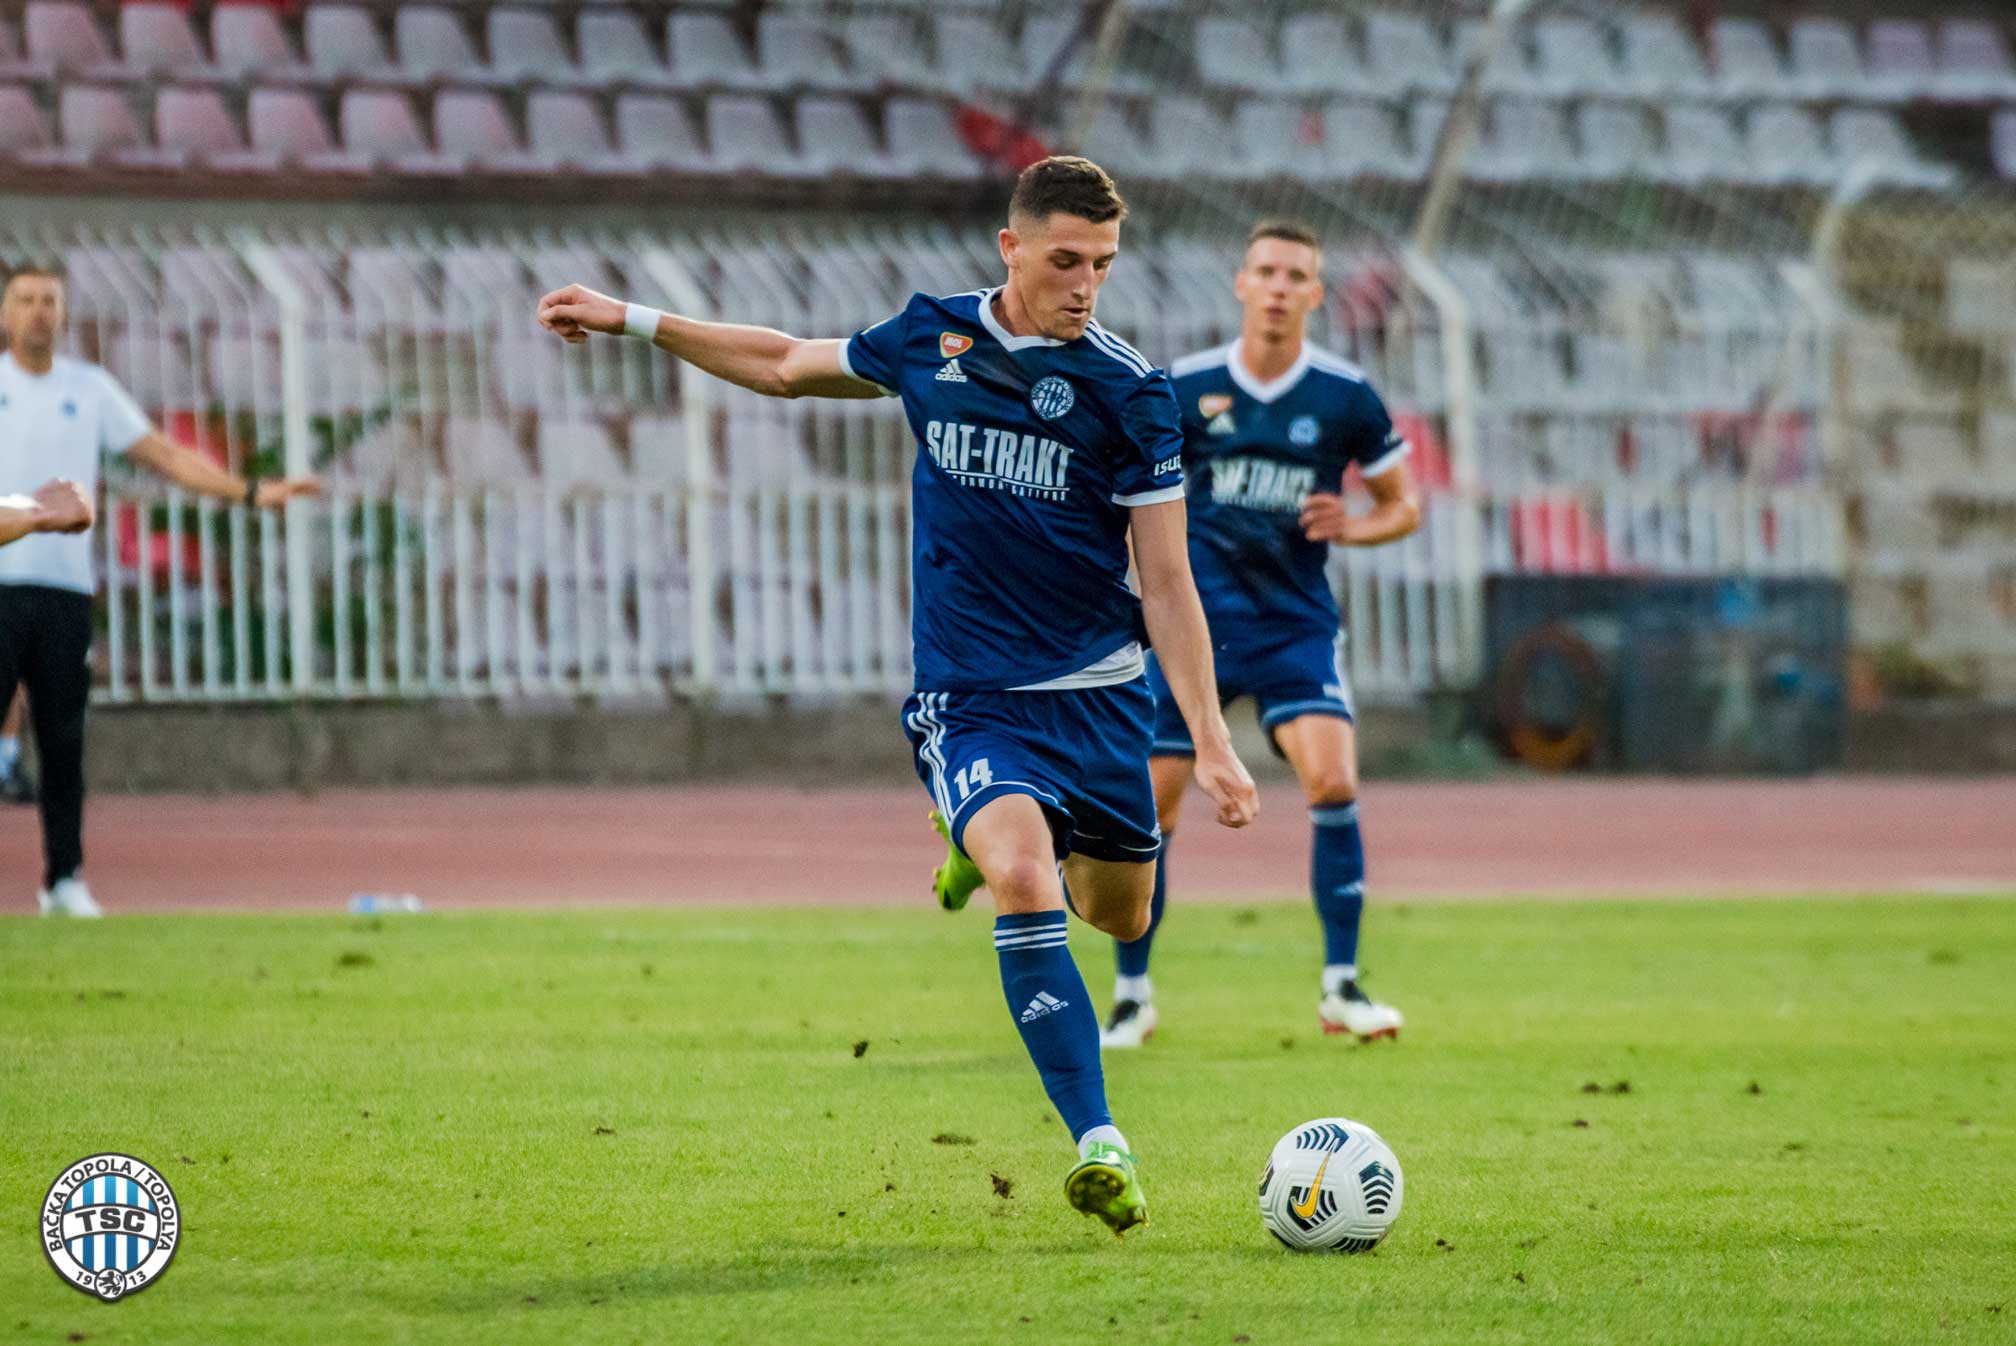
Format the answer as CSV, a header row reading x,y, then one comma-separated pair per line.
x,y
45,642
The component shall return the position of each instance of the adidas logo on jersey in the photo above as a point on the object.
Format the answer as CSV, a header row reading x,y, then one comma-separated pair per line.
x,y
952,373
1043,1004
1221,424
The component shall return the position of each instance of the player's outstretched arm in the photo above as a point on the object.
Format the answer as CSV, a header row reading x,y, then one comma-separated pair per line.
x,y
194,471
1175,617
760,359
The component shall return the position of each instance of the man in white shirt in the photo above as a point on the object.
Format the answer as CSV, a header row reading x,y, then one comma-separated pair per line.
x,y
58,416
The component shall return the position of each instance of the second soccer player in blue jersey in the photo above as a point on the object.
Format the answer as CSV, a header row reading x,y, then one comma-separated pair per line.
x,y
1271,424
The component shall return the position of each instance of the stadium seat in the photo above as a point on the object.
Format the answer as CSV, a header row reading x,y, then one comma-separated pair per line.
x,y
1617,140
566,130
1187,137
973,53
1572,56
1900,60
14,64
1359,139
1702,146
655,132
1524,138
434,43
1508,69
793,51
2002,143
1281,139
615,48
24,131
1660,59
380,129
1826,60
1875,135
579,455
97,123
525,45
1425,119
1233,54
835,137
483,452
658,449
1116,143
472,129
1318,56
343,41
287,123
746,136
65,37
1402,47
1974,61
248,40
156,37
1746,58
706,52
1786,146
194,125
886,47
922,138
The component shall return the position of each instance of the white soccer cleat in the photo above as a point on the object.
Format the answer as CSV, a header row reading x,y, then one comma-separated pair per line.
x,y
1352,1011
69,898
1131,1024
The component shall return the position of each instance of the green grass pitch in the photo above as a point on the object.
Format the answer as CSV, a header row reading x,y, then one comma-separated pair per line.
x,y
664,1126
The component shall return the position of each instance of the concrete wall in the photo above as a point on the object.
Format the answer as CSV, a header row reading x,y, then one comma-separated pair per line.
x,y
134,749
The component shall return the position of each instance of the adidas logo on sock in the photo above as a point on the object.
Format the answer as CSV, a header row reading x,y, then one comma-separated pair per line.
x,y
952,373
1043,1004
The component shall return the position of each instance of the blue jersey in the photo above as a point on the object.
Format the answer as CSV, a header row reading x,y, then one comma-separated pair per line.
x,y
1253,453
1030,453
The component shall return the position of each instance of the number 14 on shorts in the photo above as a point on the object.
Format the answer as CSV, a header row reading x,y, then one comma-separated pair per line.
x,y
975,775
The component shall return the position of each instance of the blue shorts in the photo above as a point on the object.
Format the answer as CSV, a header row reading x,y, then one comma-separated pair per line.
x,y
1301,676
1081,754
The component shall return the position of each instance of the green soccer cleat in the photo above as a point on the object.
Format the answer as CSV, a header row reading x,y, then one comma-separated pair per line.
x,y
1105,1184
955,880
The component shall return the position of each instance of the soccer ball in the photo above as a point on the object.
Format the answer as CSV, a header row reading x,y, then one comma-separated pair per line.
x,y
1331,1185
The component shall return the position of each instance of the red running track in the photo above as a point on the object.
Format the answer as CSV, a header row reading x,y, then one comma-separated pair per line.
x,y
1575,838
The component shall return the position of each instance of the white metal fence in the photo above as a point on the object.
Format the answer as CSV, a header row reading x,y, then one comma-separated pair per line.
x,y
512,517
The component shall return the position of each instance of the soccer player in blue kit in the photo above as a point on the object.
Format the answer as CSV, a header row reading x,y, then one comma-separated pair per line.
x,y
1270,426
1044,443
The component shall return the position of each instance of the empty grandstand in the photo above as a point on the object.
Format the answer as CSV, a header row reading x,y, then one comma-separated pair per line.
x,y
1688,289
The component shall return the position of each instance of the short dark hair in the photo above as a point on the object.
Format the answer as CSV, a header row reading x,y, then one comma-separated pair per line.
x,y
1292,231
1067,183
31,271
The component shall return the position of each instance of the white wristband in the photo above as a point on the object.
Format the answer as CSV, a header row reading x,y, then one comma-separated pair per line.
x,y
640,321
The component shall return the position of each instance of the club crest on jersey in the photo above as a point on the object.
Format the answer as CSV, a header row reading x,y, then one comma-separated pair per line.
x,y
951,345
1214,404
1052,397
1302,431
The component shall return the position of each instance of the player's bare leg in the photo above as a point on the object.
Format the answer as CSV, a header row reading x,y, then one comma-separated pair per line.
x,y
1009,839
1323,749
1132,1019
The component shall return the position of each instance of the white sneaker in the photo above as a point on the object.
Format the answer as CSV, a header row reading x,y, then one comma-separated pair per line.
x,y
1131,1024
1352,1011
69,898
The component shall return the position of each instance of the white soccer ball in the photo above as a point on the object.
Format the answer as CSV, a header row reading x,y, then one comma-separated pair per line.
x,y
1331,1186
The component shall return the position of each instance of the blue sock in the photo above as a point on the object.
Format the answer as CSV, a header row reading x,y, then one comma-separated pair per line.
x,y
1130,957
1337,876
1047,997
